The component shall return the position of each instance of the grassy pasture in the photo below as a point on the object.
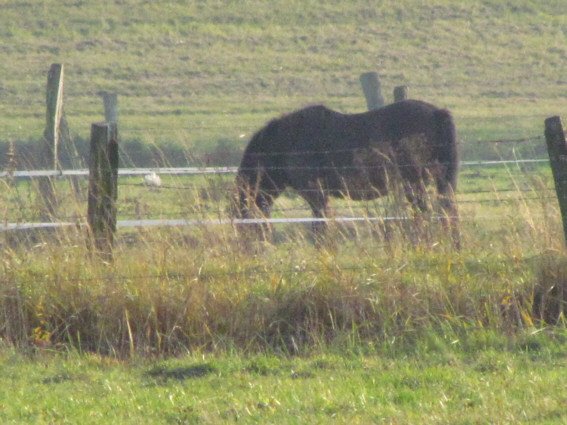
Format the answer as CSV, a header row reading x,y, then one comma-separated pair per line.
x,y
193,74
195,326
177,289
477,379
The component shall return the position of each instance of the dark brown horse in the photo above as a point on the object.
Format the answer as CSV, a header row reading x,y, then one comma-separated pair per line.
x,y
321,153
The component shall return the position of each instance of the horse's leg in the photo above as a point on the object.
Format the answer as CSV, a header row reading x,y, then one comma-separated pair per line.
x,y
264,202
416,194
318,202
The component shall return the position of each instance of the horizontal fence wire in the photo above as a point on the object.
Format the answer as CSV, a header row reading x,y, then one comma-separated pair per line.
x,y
152,223
213,187
246,131
172,220
131,172
210,222
512,141
213,193
213,209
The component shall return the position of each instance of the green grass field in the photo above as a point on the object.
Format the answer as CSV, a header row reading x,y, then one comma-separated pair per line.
x,y
479,379
194,74
200,326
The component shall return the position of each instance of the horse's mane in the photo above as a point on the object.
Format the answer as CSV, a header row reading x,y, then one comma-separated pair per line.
x,y
272,137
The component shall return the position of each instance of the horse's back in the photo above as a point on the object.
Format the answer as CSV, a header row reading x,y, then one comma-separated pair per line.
x,y
401,119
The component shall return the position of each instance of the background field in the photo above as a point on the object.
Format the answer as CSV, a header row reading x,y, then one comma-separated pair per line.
x,y
203,74
362,330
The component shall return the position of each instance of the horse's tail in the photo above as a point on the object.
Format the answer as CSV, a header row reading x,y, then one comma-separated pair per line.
x,y
446,148
447,154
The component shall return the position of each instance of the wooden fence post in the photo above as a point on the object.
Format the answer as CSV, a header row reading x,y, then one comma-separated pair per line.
x,y
400,93
73,155
103,187
110,102
50,152
372,91
557,150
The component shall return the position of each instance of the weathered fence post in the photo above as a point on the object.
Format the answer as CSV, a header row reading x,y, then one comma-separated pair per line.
x,y
49,156
103,187
400,93
557,150
372,91
110,102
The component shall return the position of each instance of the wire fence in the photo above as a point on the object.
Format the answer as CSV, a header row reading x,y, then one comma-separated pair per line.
x,y
131,172
509,193
245,130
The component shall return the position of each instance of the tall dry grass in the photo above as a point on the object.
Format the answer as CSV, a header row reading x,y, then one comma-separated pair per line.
x,y
175,290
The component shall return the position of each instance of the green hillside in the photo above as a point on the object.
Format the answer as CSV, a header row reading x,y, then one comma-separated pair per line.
x,y
194,73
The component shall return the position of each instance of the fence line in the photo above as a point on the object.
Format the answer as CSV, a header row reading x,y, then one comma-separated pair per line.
x,y
210,211
161,222
229,189
125,224
252,129
78,220
130,172
221,221
518,140
468,192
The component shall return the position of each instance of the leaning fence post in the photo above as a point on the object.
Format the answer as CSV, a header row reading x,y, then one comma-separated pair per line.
x,y
400,93
372,91
557,150
103,187
49,153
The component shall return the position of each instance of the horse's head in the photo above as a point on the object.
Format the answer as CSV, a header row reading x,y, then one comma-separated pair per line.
x,y
241,199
